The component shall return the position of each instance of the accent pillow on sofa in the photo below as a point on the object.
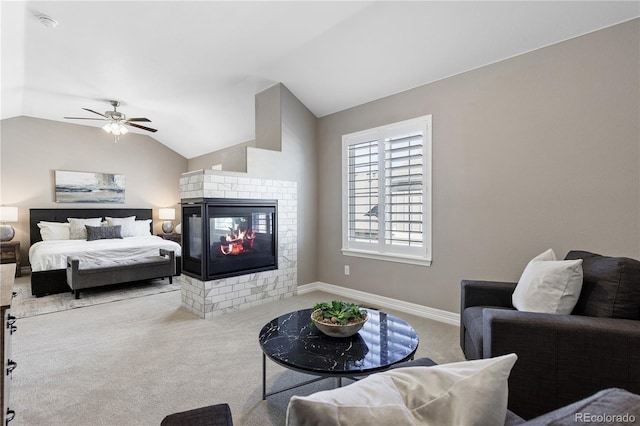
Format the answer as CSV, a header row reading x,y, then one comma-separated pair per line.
x,y
611,287
103,232
77,228
549,285
463,393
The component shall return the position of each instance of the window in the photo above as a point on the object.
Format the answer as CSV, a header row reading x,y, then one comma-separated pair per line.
x,y
386,192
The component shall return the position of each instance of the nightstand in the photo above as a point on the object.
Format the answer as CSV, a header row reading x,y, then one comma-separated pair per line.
x,y
173,237
10,253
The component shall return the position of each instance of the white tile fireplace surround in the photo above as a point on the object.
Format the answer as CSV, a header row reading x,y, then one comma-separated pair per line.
x,y
208,299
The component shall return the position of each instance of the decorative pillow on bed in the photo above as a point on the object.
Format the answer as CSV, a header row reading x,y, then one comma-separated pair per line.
x,y
103,232
142,228
54,230
77,228
127,223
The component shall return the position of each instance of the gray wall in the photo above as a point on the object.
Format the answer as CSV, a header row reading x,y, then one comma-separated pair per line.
x,y
539,151
232,159
291,129
31,149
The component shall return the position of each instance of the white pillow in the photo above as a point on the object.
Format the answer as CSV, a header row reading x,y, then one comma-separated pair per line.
x,y
548,285
77,228
142,228
127,225
54,230
463,393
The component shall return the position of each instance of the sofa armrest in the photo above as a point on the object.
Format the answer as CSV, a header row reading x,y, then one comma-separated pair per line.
x,y
612,402
486,293
562,358
483,293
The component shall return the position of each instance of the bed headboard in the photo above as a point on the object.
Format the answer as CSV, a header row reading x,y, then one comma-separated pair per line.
x,y
61,215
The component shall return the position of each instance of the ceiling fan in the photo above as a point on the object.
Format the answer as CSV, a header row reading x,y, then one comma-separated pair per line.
x,y
116,120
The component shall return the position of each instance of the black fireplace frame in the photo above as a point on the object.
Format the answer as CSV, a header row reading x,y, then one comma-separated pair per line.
x,y
189,266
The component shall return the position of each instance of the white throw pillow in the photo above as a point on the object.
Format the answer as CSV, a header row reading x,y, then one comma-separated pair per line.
x,y
463,393
127,225
142,228
54,230
548,285
77,228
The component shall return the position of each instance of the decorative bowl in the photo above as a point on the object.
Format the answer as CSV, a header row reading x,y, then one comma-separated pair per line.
x,y
338,330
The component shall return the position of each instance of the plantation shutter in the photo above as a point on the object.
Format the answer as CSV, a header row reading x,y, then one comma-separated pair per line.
x,y
362,182
403,190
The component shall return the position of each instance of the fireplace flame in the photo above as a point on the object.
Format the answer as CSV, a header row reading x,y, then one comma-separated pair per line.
x,y
239,241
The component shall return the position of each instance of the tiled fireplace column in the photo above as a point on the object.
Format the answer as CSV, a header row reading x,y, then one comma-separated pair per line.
x,y
211,298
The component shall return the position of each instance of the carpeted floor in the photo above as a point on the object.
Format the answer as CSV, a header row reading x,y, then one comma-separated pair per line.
x,y
132,362
26,305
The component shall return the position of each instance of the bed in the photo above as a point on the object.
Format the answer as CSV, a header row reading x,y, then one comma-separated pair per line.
x,y
48,258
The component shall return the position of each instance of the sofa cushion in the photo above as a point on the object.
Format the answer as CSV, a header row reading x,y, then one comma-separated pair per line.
x,y
464,393
548,285
611,286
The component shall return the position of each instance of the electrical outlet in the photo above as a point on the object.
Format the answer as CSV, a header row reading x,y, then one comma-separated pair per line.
x,y
346,269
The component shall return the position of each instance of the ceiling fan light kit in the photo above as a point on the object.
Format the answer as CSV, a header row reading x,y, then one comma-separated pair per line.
x,y
115,128
116,121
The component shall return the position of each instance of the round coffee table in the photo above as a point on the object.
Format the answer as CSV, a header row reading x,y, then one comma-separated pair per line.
x,y
292,341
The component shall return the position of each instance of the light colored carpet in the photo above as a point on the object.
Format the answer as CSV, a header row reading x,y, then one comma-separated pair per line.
x,y
132,362
26,305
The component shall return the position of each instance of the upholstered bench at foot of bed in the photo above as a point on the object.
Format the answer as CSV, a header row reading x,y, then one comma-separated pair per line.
x,y
96,274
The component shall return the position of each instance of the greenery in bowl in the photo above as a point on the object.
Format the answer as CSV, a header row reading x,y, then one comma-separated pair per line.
x,y
338,313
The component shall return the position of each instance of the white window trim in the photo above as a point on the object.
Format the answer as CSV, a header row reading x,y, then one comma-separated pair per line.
x,y
362,249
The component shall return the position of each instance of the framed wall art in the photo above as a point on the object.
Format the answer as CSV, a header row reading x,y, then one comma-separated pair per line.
x,y
89,187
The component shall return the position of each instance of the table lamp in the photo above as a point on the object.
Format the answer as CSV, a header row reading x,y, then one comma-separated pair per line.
x,y
7,214
167,215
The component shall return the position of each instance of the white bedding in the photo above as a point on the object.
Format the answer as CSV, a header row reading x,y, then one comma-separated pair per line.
x,y
49,255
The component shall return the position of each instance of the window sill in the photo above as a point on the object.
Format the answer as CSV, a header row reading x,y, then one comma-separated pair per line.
x,y
413,260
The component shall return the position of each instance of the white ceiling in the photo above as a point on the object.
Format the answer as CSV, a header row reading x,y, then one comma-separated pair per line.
x,y
193,68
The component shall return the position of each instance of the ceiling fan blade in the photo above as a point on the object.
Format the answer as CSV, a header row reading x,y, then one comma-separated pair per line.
x,y
139,119
149,129
90,110
85,118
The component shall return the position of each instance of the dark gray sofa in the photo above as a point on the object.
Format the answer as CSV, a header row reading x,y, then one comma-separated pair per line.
x,y
608,407
561,358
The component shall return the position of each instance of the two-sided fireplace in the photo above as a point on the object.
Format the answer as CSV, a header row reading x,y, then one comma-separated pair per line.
x,y
224,237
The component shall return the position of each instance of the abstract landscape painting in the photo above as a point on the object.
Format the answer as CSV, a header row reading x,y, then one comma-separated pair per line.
x,y
88,187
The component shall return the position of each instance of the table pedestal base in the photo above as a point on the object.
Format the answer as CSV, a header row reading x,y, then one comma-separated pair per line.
x,y
265,394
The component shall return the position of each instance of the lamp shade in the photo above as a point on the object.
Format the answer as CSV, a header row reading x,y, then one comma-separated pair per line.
x,y
8,214
167,214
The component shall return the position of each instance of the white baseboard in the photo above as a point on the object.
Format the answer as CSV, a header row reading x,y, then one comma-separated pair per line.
x,y
385,302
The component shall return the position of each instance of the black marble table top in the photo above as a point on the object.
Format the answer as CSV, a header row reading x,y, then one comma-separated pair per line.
x,y
292,341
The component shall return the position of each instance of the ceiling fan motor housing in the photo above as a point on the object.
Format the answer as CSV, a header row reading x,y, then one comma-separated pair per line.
x,y
115,115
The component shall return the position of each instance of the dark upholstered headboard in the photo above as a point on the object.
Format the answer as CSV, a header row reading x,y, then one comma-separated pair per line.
x,y
61,215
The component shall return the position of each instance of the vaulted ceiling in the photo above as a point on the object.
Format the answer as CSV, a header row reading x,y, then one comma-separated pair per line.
x,y
193,67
